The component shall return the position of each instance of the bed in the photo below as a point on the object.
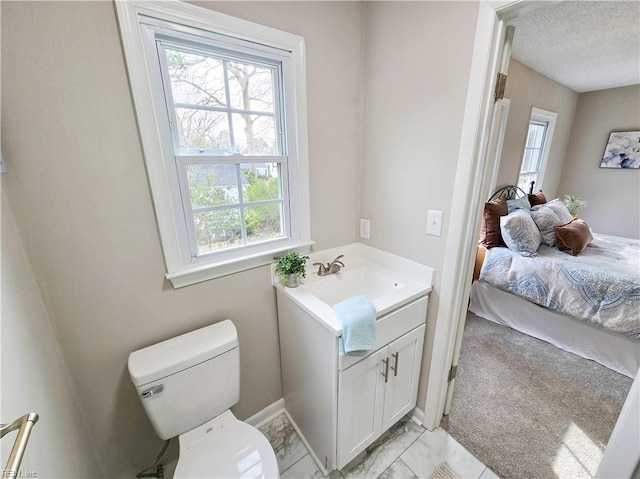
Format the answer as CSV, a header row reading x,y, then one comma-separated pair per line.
x,y
587,303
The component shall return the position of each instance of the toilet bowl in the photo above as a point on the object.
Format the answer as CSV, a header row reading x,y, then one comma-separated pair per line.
x,y
187,386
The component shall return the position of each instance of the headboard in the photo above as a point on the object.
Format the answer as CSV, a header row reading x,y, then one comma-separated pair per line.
x,y
509,192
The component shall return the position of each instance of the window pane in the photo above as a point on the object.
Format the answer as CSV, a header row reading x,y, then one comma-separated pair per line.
x,y
202,132
250,86
263,222
212,185
196,79
263,182
217,229
255,134
527,162
536,135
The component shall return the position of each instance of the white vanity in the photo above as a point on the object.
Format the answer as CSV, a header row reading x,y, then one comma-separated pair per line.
x,y
341,404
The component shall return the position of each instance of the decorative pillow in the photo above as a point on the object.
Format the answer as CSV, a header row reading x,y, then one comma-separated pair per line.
x,y
518,203
573,238
537,198
490,231
546,219
561,210
520,232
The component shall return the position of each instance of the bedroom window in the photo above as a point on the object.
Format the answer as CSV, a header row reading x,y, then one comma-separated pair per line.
x,y
222,117
536,149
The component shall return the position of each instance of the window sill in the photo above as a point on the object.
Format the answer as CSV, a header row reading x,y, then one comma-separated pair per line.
x,y
193,274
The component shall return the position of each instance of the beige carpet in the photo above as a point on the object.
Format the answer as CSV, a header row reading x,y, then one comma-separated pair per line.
x,y
528,409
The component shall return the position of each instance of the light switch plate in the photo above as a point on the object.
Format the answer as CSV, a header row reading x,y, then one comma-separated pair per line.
x,y
434,223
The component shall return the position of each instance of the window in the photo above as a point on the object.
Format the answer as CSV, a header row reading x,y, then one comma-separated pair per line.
x,y
536,149
222,118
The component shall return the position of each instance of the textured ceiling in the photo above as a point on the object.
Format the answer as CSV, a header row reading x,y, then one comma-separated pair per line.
x,y
585,45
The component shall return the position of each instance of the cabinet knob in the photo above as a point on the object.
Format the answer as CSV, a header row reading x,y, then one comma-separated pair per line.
x,y
385,374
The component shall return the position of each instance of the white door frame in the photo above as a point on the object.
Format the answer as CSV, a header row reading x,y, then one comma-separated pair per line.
x,y
471,185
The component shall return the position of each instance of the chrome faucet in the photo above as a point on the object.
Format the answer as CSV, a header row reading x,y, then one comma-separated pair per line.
x,y
330,268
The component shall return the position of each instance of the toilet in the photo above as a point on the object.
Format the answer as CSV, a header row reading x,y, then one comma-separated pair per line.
x,y
187,386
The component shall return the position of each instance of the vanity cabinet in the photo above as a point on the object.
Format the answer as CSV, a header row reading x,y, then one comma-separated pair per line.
x,y
376,392
339,405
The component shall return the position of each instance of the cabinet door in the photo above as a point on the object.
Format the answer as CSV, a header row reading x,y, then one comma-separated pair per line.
x,y
405,357
360,406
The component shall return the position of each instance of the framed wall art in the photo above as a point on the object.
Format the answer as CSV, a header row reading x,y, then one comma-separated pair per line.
x,y
622,151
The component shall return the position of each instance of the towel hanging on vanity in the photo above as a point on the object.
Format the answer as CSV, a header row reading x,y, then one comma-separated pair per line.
x,y
358,318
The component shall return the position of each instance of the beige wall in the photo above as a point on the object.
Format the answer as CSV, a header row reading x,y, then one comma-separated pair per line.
x,y
613,194
80,195
34,375
527,88
416,77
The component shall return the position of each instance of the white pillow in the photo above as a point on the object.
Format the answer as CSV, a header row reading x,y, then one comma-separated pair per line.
x,y
520,232
561,210
546,219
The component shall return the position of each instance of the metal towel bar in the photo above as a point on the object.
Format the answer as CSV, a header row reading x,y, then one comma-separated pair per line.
x,y
24,425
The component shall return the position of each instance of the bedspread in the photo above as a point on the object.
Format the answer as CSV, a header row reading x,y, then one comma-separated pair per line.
x,y
601,285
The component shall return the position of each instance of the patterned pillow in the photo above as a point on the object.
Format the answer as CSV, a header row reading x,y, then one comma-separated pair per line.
x,y
520,232
561,210
518,203
546,219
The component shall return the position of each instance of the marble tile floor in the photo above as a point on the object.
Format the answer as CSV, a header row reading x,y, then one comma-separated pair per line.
x,y
406,451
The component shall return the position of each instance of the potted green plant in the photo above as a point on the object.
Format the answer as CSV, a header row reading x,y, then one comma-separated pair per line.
x,y
573,204
290,267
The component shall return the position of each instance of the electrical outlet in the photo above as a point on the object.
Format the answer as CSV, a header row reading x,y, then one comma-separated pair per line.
x,y
434,223
365,229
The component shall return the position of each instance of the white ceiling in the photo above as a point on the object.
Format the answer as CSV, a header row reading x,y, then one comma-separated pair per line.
x,y
585,45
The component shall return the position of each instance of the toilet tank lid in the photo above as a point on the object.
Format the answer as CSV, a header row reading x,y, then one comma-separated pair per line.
x,y
176,354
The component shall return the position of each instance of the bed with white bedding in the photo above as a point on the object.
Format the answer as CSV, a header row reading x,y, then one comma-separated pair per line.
x,y
588,304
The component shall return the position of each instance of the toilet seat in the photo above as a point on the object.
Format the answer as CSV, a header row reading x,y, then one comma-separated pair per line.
x,y
225,447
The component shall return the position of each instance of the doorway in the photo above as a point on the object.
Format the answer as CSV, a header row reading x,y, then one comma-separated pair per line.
x,y
472,188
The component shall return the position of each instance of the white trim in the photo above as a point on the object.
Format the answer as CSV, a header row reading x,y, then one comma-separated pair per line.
x,y
417,416
203,272
181,269
622,454
268,414
471,179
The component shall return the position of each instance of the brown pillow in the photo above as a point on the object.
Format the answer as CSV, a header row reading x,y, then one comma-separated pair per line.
x,y
537,198
490,235
573,238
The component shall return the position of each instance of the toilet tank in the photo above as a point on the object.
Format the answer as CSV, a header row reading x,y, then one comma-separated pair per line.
x,y
185,381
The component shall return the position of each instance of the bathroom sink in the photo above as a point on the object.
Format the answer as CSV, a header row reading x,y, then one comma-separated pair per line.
x,y
389,281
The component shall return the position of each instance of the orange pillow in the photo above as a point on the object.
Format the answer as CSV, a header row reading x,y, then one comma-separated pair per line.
x,y
573,238
537,198
490,234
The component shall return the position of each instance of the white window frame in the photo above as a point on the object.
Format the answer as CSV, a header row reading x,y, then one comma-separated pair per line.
x,y
182,268
543,116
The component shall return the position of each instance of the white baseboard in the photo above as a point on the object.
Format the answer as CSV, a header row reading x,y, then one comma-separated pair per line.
x,y
269,413
417,416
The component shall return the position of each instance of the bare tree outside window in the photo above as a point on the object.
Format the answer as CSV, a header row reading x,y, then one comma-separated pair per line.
x,y
226,107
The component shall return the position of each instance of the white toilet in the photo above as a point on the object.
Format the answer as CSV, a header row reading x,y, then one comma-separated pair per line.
x,y
187,385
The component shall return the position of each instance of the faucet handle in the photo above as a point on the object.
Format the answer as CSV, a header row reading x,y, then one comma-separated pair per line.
x,y
322,269
337,260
